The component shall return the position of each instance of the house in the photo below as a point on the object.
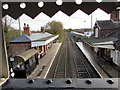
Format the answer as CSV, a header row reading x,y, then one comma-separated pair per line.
x,y
40,41
106,39
108,47
103,28
115,54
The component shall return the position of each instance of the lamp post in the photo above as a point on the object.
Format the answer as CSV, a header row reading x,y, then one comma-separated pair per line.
x,y
91,21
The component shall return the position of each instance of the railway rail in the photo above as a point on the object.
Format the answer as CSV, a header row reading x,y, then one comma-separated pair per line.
x,y
71,62
60,71
81,67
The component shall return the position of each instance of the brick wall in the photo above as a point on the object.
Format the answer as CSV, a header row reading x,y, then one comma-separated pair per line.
x,y
115,15
17,49
26,29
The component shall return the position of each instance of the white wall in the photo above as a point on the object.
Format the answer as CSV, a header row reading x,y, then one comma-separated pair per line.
x,y
96,32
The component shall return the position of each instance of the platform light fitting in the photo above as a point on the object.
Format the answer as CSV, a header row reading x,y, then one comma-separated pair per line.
x,y
99,1
78,2
41,4
59,2
5,6
22,5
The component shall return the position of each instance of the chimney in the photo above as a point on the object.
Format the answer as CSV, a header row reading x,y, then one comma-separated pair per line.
x,y
26,29
115,16
42,30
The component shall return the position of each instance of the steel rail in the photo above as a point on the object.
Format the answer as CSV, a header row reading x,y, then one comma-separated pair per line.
x,y
74,61
59,67
66,64
77,65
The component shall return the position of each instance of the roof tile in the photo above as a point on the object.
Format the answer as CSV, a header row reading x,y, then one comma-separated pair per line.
x,y
31,37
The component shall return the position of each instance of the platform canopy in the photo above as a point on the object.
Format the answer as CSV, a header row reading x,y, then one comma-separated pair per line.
x,y
44,41
25,56
101,42
50,7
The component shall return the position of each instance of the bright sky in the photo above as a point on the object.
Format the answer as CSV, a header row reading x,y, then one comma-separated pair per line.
x,y
76,21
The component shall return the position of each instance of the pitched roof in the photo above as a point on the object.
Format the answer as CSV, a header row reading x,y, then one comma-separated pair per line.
x,y
117,24
22,38
46,38
36,36
31,37
115,34
106,24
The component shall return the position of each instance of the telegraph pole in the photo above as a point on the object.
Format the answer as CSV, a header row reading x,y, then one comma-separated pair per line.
x,y
91,21
19,26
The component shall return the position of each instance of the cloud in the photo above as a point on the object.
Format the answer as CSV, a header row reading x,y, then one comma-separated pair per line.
x,y
75,21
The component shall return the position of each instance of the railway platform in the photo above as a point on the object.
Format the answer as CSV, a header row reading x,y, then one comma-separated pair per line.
x,y
102,67
92,57
46,62
111,69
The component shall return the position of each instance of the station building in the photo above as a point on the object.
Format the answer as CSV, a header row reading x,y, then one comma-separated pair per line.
x,y
41,41
27,49
106,39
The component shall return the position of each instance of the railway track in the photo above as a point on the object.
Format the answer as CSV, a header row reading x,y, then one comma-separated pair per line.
x,y
78,58
63,63
60,70
71,63
83,67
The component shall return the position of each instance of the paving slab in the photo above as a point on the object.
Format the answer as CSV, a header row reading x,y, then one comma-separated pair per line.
x,y
45,63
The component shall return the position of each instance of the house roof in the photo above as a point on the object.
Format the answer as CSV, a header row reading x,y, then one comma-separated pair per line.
x,y
22,38
117,24
32,37
106,24
38,36
45,38
115,34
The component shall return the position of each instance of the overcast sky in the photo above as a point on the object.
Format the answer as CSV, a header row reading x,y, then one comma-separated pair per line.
x,y
76,21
